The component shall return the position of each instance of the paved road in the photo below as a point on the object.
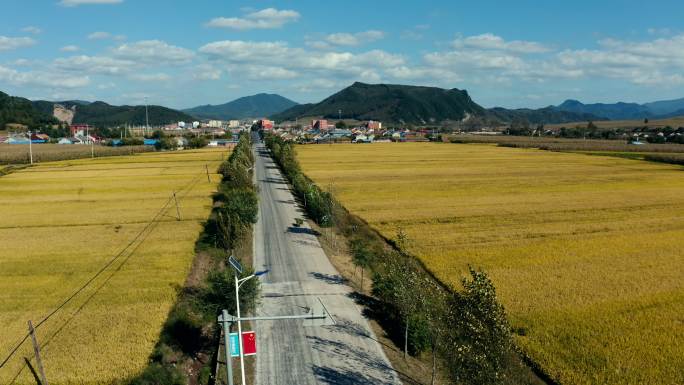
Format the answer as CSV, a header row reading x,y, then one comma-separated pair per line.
x,y
289,352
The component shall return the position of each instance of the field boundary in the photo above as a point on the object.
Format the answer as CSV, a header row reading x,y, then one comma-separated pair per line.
x,y
354,228
670,153
189,347
533,365
126,252
6,170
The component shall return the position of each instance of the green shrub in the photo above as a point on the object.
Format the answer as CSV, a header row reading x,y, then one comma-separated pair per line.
x,y
183,330
479,345
197,142
220,292
158,374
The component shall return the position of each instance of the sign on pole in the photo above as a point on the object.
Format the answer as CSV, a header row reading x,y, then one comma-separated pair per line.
x,y
248,344
234,345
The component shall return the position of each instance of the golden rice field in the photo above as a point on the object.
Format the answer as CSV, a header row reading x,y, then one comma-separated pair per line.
x,y
586,252
44,152
61,222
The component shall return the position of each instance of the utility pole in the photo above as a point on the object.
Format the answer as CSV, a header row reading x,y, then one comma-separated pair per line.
x,y
36,351
206,167
238,282
30,148
239,324
178,216
226,318
147,120
226,346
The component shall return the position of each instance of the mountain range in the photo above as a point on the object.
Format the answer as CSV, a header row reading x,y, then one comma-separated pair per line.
x,y
384,102
627,111
546,115
390,103
255,106
102,114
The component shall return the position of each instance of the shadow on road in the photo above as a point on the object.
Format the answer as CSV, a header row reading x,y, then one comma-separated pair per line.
x,y
302,230
273,180
328,278
358,358
342,376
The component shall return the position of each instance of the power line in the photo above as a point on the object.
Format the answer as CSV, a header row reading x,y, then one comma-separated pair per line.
x,y
154,219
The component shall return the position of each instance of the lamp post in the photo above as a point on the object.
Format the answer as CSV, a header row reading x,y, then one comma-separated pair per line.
x,y
238,282
147,119
30,148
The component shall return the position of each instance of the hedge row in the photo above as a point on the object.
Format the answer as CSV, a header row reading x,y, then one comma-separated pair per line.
x,y
191,330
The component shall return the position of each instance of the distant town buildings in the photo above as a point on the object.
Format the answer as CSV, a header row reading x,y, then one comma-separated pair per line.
x,y
373,125
321,124
79,129
215,124
265,124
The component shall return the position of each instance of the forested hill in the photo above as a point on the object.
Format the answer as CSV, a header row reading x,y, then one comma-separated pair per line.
x,y
255,106
390,103
101,114
21,111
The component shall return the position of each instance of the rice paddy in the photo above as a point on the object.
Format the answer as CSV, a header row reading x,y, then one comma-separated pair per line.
x,y
586,252
19,153
61,222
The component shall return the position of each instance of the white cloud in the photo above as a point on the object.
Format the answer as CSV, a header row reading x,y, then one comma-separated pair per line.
x,y
655,62
41,78
244,59
153,51
489,41
101,65
366,65
269,18
32,29
8,43
22,62
206,72
76,3
70,48
318,45
100,35
353,39
488,58
269,73
483,60
158,77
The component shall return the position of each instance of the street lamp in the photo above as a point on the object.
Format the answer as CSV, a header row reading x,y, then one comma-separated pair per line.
x,y
147,119
30,148
238,282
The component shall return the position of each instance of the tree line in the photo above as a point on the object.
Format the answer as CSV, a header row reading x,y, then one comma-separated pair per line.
x,y
191,330
466,330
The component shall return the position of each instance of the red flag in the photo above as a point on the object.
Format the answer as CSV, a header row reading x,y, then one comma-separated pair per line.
x,y
249,343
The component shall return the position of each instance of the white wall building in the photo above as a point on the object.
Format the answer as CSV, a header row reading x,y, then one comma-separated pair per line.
x,y
215,124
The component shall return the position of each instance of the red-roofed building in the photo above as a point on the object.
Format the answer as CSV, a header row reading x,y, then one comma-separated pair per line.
x,y
80,129
265,124
373,125
321,124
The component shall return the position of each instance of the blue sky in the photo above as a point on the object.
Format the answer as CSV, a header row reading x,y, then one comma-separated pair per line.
x,y
187,53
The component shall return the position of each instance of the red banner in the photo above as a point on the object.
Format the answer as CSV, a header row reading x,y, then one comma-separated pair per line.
x,y
249,343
